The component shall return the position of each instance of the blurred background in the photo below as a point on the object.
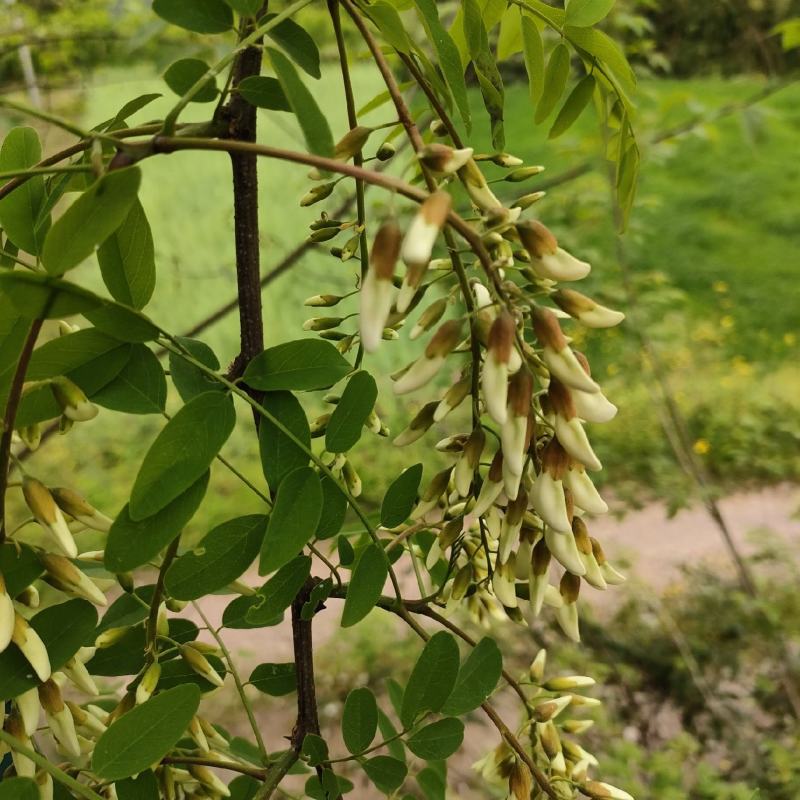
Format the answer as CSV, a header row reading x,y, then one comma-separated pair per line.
x,y
700,648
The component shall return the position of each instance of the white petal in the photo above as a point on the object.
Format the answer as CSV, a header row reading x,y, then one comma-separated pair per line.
x,y
418,242
611,575
594,407
29,709
560,266
420,372
566,367
601,317
567,617
462,476
376,299
490,491
572,437
512,438
584,492
6,620
494,383
594,575
538,588
547,500
565,551
511,481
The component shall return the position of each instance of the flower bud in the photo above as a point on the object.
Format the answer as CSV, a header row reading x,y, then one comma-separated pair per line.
x,y
351,478
494,376
454,396
569,430
64,575
597,790
77,507
513,433
317,193
419,241
468,461
593,574
609,573
551,708
352,142
548,260
547,493
209,779
6,615
322,300
199,663
31,436
523,173
48,514
66,328
74,404
583,490
429,317
325,235
110,637
538,578
557,354
520,782
23,766
442,343
377,291
76,671
385,151
477,188
32,647
537,667
442,159
568,683
506,160
418,426
586,310
350,247
565,551
526,201
430,497
59,718
504,582
147,685
29,709
491,487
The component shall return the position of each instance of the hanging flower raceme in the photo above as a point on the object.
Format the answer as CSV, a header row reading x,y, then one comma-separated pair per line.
x,y
548,260
419,242
378,292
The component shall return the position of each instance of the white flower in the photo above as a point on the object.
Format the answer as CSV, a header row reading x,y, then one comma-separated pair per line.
x,y
32,647
6,616
586,310
583,490
443,159
548,260
565,551
430,362
494,376
557,354
377,291
48,514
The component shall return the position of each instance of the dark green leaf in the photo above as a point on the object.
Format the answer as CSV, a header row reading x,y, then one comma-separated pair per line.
x,y
438,740
585,13
346,552
359,720
244,787
281,454
275,680
334,509
386,773
64,629
330,787
127,610
19,789
247,8
121,322
90,220
432,783
65,354
312,121
220,558
303,364
145,734
366,585
555,81
181,453
293,520
388,22
188,379
277,593
128,110
578,99
449,58
400,497
124,657
143,787
351,412
477,678
235,614
388,731
200,16
296,41
314,750
19,210
264,92
139,388
132,543
185,73
432,678
127,260
19,567
36,295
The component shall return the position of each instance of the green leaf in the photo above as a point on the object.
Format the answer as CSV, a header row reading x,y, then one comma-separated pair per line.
x,y
509,40
178,673
438,740
276,595
188,379
304,364
247,8
200,16
351,412
280,454
477,678
555,80
334,509
388,731
448,55
577,100
400,497
386,773
314,750
585,13
19,210
19,567
36,295
121,322
359,720
474,32
220,558
143,787
140,387
64,629
145,734
312,121
244,787
297,42
181,453
132,543
432,678
366,585
127,260
276,680
90,220
128,110
19,789
264,92
235,614
432,783
65,354
181,75
293,520
388,22
599,45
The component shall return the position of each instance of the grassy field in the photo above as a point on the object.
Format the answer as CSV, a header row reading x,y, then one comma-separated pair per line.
x,y
711,245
